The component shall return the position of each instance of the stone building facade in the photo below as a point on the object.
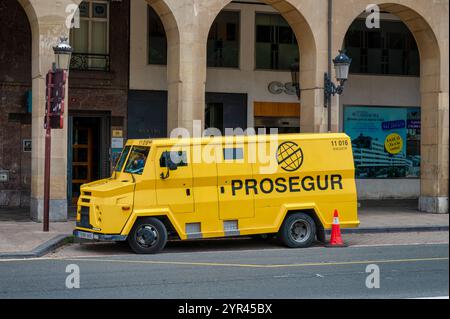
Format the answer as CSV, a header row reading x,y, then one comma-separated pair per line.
x,y
188,84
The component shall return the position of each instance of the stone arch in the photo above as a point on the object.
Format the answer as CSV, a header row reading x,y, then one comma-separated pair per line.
x,y
430,54
165,13
29,10
433,88
310,78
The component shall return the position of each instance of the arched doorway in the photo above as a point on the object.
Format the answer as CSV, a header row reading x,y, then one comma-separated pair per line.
x,y
15,101
432,105
153,108
251,50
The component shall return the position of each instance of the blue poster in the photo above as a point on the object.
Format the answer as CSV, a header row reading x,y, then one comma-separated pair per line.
x,y
386,141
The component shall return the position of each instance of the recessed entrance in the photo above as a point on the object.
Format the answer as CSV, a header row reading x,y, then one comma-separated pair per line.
x,y
88,148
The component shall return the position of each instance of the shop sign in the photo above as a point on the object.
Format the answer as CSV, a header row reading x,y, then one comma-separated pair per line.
x,y
277,88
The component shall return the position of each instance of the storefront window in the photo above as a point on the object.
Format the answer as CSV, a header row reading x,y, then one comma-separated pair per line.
x,y
276,45
390,50
157,40
223,41
386,141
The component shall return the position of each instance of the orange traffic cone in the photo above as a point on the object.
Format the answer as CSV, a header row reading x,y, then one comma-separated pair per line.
x,y
336,238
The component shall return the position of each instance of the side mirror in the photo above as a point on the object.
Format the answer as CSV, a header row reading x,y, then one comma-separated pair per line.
x,y
166,161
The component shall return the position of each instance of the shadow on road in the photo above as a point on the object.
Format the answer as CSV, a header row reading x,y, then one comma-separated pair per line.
x,y
177,246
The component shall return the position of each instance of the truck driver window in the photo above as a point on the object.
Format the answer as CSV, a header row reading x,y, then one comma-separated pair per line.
x,y
122,159
136,161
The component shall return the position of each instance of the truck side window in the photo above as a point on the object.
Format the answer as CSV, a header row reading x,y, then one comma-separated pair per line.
x,y
179,158
230,154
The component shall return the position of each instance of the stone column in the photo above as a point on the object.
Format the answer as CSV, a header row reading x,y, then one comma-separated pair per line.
x,y
187,36
48,28
435,150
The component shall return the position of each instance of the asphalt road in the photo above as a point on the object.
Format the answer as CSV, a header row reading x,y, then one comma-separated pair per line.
x,y
408,271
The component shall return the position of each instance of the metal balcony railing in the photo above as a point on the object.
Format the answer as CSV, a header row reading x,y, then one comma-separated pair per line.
x,y
90,62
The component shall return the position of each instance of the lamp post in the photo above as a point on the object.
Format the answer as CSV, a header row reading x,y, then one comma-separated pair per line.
x,y
54,112
295,71
63,54
342,67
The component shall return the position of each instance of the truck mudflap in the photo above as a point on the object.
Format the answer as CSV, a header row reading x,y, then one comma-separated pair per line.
x,y
97,237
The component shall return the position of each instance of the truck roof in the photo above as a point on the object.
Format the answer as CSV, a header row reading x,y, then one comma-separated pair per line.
x,y
235,139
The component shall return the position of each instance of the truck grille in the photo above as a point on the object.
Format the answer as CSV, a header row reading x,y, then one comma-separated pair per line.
x,y
84,218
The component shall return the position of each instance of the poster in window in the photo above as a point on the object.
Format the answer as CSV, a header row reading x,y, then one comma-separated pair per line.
x,y
386,141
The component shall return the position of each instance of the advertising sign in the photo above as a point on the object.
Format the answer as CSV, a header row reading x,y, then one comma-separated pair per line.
x,y
386,141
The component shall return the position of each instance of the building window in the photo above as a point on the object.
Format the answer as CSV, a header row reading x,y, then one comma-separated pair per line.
x,y
276,45
157,39
214,116
91,40
223,41
233,154
386,141
390,50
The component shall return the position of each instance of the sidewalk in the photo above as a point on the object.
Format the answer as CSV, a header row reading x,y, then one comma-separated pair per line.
x,y
397,216
22,238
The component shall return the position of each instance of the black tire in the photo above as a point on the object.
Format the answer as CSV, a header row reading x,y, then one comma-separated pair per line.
x,y
148,236
298,231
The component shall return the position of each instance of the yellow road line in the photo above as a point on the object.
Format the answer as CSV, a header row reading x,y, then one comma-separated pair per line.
x,y
364,262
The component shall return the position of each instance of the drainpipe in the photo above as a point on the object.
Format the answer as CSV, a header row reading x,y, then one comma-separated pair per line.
x,y
330,45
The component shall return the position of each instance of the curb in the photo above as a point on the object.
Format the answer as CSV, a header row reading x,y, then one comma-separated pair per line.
x,y
379,230
39,251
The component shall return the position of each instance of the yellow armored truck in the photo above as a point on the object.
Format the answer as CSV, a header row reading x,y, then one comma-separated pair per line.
x,y
286,186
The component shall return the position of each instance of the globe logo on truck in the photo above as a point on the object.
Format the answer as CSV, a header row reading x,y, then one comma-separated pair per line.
x,y
290,156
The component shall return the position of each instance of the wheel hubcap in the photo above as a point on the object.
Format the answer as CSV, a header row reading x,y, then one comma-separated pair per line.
x,y
300,231
147,236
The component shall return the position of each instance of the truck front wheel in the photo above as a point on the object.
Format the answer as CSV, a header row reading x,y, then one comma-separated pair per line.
x,y
298,231
148,236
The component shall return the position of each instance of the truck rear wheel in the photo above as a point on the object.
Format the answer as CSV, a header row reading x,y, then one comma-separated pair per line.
x,y
148,236
298,231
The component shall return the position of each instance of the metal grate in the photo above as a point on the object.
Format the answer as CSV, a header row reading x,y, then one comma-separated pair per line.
x,y
193,230
90,62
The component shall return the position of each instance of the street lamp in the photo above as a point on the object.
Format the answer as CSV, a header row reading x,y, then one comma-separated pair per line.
x,y
54,112
295,71
342,66
63,53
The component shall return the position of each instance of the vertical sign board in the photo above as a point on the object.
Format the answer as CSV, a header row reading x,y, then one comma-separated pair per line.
x,y
56,90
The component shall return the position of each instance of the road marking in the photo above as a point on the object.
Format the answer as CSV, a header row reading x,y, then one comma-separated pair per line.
x,y
397,245
207,264
168,252
432,298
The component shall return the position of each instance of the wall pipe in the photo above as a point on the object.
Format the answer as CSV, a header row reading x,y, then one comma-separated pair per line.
x,y
330,45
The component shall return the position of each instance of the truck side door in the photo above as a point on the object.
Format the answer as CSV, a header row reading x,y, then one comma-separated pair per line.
x,y
175,189
235,200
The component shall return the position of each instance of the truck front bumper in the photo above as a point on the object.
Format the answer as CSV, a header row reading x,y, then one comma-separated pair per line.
x,y
97,237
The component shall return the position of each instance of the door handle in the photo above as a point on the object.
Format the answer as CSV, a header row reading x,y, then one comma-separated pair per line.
x,y
222,190
188,192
